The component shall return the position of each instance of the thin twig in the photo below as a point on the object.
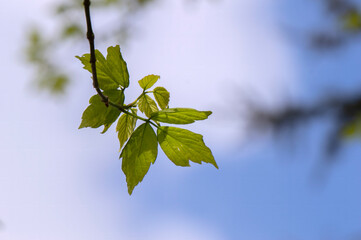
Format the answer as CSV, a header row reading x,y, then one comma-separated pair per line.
x,y
90,36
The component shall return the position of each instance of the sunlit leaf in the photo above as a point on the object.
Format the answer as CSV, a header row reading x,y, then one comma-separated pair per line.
x,y
147,105
125,127
140,151
97,114
179,115
105,82
181,145
161,95
106,127
148,81
117,67
111,72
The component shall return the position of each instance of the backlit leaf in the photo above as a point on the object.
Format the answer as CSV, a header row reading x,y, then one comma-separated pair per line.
x,y
106,127
111,72
105,82
97,114
117,67
181,145
147,105
140,151
148,81
125,127
161,95
180,115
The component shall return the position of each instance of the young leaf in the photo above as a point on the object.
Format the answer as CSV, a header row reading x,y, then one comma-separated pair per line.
x,y
148,81
117,67
181,145
140,151
111,72
161,95
106,127
147,105
179,115
97,114
105,82
125,127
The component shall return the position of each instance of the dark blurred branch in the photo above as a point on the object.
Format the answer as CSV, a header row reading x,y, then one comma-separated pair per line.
x,y
343,110
348,25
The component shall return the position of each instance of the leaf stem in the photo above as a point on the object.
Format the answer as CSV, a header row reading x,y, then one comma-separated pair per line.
x,y
134,102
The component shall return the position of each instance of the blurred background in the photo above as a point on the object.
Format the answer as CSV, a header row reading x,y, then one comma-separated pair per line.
x,y
281,77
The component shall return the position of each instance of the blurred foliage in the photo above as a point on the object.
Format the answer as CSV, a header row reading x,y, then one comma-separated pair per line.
x,y
44,48
347,24
345,112
343,109
48,75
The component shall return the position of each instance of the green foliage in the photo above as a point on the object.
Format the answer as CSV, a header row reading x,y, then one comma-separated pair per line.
x,y
112,71
147,105
141,144
161,95
97,114
179,115
148,81
140,151
181,145
47,74
125,127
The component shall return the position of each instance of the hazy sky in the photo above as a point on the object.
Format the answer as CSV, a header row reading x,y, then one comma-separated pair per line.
x,y
60,183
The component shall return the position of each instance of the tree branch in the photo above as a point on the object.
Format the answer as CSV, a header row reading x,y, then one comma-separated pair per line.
x,y
90,36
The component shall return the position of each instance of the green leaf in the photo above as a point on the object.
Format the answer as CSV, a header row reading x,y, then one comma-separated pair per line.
x,y
105,82
147,105
106,127
111,72
181,145
125,127
148,81
97,114
161,95
140,151
180,115
117,67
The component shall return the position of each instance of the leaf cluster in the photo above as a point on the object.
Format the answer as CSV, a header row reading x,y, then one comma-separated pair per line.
x,y
139,145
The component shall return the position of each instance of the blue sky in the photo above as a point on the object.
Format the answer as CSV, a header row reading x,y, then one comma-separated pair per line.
x,y
62,183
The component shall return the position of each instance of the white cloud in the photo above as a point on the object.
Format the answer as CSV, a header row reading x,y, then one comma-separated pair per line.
x,y
176,226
